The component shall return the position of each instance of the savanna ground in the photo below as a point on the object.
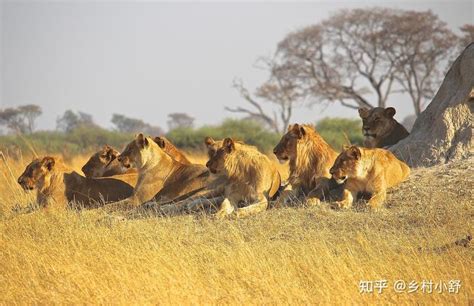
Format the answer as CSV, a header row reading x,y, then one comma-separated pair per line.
x,y
284,255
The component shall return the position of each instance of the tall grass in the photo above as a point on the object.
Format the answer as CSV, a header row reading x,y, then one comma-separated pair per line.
x,y
287,255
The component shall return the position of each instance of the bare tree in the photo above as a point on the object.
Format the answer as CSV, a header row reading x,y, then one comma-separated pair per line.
x,y
280,90
359,54
180,120
420,45
467,37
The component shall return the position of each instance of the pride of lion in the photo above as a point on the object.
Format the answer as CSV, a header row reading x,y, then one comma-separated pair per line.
x,y
238,180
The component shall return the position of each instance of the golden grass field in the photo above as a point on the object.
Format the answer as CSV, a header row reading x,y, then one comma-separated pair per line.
x,y
282,256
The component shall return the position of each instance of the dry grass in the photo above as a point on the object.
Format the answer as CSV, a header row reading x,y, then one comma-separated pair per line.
x,y
290,255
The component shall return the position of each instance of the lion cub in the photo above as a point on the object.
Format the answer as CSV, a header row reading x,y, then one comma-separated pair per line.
x,y
251,178
367,170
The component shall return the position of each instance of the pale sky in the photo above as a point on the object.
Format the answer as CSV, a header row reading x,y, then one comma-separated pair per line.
x,y
149,59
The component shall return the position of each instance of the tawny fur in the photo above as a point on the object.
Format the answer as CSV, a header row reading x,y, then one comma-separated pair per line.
x,y
160,177
379,127
251,178
310,158
57,185
368,171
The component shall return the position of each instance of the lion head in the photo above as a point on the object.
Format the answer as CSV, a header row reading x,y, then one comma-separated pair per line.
x,y
212,146
132,156
216,163
98,163
171,150
37,173
346,164
377,122
287,147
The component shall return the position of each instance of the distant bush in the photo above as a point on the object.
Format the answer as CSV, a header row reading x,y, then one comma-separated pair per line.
x,y
86,139
248,131
333,130
78,141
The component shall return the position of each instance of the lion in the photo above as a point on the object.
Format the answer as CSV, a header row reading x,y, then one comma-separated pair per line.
x,y
57,185
160,177
367,170
104,162
171,150
251,178
310,158
379,127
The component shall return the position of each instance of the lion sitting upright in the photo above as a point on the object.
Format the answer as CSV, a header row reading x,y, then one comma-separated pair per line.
x,y
363,170
310,159
251,178
379,127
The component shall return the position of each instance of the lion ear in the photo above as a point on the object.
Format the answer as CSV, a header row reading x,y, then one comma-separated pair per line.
x,y
363,112
141,140
354,152
48,162
297,130
390,112
229,144
345,147
208,141
302,130
160,141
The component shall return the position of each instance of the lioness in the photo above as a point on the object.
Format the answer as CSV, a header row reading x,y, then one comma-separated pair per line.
x,y
310,158
57,185
379,127
104,163
251,178
160,177
368,171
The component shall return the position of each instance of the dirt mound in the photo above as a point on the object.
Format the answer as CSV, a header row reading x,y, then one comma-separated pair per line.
x,y
444,131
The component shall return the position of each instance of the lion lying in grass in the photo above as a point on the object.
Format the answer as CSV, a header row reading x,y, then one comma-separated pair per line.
x,y
160,177
104,162
310,158
251,178
57,186
371,171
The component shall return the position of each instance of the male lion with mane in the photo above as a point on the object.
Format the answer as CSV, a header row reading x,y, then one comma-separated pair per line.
x,y
363,170
57,185
379,127
251,178
310,158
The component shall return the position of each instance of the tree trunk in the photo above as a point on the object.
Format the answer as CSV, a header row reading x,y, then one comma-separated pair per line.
x,y
444,130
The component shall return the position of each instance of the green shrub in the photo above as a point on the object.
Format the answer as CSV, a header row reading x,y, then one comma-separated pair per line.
x,y
246,130
333,130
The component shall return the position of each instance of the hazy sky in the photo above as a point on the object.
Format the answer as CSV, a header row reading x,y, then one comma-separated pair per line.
x,y
150,59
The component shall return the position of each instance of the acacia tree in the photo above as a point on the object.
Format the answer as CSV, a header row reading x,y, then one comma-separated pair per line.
x,y
30,113
358,54
21,119
70,121
180,120
420,45
280,90
126,124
